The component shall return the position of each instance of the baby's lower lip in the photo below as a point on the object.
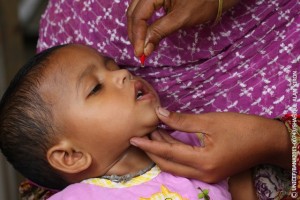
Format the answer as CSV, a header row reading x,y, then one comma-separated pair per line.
x,y
146,97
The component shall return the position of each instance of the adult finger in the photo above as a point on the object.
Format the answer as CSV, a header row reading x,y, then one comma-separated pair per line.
x,y
178,168
137,19
129,12
137,25
163,136
160,29
191,123
175,152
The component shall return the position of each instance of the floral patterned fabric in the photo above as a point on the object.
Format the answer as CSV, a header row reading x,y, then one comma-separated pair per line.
x,y
30,191
243,64
271,183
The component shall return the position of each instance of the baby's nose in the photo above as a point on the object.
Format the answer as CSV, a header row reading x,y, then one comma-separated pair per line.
x,y
121,76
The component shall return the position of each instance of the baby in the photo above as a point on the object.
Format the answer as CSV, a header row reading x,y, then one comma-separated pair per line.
x,y
66,121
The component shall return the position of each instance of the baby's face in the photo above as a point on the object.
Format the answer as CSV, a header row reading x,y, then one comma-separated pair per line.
x,y
97,105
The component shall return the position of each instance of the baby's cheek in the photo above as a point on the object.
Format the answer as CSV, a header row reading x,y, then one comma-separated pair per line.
x,y
152,120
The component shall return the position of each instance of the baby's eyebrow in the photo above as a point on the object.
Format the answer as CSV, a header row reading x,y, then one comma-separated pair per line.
x,y
90,68
106,60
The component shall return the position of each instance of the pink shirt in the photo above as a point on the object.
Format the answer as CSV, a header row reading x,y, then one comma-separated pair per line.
x,y
153,185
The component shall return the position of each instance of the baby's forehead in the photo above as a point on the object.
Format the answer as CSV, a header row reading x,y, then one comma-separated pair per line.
x,y
55,76
67,58
72,56
65,65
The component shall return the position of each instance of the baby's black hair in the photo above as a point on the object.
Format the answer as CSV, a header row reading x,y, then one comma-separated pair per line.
x,y
26,124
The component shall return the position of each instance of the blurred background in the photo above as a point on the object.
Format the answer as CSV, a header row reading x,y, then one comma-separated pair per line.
x,y
19,21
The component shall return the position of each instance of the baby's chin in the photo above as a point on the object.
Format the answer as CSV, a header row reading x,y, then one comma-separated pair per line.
x,y
149,128
154,119
149,123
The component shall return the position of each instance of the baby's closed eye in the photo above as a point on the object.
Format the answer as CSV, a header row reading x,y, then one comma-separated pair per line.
x,y
96,89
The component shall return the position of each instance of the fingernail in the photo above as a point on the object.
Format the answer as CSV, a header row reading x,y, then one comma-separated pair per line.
x,y
133,141
155,135
163,112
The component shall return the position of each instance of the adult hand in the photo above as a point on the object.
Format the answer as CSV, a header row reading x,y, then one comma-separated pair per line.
x,y
179,14
233,143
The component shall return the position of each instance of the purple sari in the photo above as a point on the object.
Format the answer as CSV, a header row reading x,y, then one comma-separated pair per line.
x,y
244,64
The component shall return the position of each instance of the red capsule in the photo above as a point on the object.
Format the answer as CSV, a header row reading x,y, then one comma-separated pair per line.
x,y
142,59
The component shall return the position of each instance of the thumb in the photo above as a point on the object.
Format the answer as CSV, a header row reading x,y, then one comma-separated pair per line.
x,y
159,30
191,123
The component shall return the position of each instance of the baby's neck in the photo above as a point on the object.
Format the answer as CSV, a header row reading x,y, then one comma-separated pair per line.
x,y
133,161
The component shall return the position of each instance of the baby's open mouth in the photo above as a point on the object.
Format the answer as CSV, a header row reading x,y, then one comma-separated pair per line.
x,y
139,94
140,90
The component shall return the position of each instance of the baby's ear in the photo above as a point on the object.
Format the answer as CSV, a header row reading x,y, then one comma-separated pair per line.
x,y
66,158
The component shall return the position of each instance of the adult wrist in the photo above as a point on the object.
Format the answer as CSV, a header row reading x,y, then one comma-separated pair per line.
x,y
287,157
282,153
272,142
